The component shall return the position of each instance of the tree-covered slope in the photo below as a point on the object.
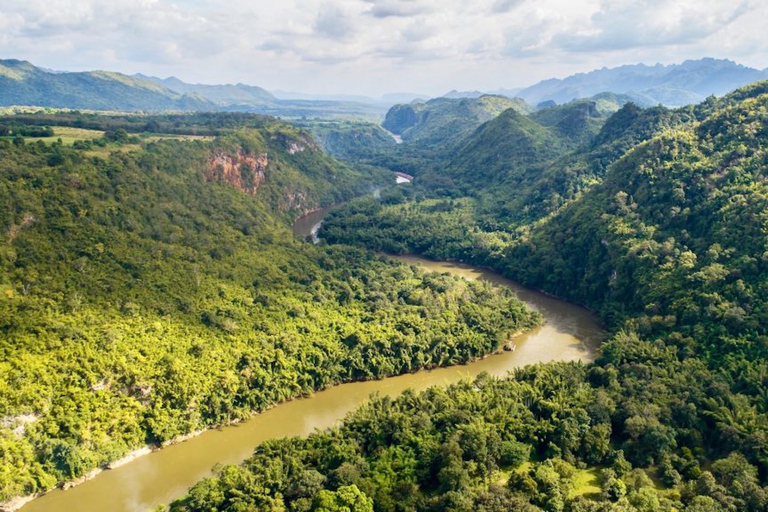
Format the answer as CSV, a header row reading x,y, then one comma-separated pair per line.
x,y
445,120
358,142
669,246
520,168
686,209
156,291
500,150
544,189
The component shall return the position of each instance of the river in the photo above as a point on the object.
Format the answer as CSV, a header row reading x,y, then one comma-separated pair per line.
x,y
570,333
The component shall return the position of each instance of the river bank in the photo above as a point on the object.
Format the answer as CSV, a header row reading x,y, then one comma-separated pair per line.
x,y
16,504
570,333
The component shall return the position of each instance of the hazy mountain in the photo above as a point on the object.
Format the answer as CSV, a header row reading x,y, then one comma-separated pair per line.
x,y
239,94
454,94
293,95
510,93
21,83
673,85
385,101
403,97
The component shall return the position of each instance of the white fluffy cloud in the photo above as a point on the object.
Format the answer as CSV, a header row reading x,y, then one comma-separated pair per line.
x,y
376,46
623,24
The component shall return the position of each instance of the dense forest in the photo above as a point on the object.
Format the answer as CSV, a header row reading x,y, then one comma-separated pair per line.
x,y
152,289
657,220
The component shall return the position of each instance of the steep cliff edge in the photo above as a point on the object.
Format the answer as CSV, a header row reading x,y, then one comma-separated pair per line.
x,y
244,172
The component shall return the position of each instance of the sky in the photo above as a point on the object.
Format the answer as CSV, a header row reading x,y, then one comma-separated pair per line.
x,y
373,47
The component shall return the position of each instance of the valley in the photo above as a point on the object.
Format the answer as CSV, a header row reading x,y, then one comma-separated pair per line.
x,y
153,291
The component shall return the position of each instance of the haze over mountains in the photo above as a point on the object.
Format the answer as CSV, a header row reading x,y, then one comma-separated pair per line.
x,y
673,85
22,83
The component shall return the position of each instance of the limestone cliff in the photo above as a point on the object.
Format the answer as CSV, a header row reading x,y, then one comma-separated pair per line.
x,y
244,172
294,145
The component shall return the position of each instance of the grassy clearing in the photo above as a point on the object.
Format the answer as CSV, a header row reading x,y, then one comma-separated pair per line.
x,y
155,137
111,148
67,135
70,135
585,483
145,139
659,486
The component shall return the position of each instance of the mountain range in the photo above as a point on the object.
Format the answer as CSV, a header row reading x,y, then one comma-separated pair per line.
x,y
222,95
673,85
22,83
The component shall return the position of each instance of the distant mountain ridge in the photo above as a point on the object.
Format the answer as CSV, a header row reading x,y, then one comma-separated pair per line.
x,y
239,94
672,85
23,84
457,95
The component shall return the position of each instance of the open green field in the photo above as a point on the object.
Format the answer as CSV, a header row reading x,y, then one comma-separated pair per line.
x,y
67,135
154,137
585,481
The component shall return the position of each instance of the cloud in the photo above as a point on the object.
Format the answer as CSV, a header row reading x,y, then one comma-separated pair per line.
x,y
534,35
345,44
504,6
332,22
621,24
400,8
419,31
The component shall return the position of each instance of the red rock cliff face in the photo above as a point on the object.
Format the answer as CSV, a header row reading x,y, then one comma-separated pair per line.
x,y
244,172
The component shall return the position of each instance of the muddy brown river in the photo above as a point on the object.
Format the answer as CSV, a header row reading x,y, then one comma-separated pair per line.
x,y
570,333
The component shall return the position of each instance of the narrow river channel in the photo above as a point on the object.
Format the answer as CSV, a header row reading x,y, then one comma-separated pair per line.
x,y
570,333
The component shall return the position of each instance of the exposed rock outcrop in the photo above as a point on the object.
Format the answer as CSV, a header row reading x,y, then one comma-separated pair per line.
x,y
400,118
15,230
296,145
244,172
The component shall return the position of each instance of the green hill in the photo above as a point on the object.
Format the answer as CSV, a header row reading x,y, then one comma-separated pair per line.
x,y
349,140
692,197
527,164
502,149
446,120
542,189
